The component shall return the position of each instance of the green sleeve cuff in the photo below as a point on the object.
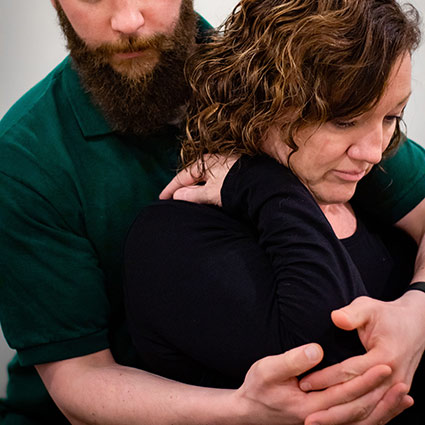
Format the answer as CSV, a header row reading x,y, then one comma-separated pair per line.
x,y
63,350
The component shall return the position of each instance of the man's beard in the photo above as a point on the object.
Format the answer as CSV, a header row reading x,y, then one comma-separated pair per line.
x,y
142,94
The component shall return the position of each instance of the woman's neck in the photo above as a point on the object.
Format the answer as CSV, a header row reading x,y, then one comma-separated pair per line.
x,y
342,219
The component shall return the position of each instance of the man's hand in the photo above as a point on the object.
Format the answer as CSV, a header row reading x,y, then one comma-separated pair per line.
x,y
392,404
273,396
185,185
380,326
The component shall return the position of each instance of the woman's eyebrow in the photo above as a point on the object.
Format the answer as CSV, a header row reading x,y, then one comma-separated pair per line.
x,y
404,100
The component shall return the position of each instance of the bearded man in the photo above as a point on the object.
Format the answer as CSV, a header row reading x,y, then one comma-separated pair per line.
x,y
80,154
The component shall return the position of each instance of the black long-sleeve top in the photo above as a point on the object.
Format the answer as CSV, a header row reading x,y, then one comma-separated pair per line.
x,y
209,291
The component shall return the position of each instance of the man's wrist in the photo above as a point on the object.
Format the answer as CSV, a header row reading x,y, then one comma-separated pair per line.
x,y
416,286
414,301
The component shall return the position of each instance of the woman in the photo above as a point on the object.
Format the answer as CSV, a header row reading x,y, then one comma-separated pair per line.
x,y
321,86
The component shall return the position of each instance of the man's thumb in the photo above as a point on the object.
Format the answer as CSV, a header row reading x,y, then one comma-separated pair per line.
x,y
353,315
301,359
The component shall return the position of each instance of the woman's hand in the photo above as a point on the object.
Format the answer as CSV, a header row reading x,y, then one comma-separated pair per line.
x,y
186,186
380,325
189,185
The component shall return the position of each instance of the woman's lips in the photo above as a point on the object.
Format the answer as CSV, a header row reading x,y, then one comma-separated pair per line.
x,y
349,175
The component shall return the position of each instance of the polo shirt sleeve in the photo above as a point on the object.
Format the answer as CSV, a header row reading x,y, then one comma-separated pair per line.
x,y
53,304
394,187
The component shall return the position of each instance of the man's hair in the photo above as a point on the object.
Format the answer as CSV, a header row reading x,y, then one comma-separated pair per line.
x,y
292,63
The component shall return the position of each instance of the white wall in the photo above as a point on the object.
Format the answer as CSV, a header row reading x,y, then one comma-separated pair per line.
x,y
31,45
415,111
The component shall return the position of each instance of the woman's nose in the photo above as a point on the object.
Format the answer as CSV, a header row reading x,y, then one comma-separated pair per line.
x,y
369,147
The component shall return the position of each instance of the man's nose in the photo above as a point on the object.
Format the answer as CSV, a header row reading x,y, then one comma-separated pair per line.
x,y
127,18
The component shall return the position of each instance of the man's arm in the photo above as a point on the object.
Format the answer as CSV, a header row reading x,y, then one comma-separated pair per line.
x,y
414,224
95,389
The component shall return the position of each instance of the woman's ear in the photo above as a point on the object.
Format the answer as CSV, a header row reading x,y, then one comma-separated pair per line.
x,y
273,146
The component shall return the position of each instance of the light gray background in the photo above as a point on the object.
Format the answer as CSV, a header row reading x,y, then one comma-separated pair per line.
x,y
31,45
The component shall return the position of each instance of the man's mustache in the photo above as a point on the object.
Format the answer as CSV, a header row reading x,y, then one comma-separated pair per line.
x,y
134,44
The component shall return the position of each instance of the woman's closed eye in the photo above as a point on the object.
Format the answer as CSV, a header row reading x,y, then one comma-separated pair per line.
x,y
344,124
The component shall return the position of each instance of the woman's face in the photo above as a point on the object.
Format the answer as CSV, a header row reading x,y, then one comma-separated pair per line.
x,y
334,157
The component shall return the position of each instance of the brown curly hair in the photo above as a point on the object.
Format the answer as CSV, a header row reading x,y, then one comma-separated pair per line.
x,y
292,63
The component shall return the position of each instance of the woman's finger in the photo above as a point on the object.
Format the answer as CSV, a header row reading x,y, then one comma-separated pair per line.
x,y
186,177
196,194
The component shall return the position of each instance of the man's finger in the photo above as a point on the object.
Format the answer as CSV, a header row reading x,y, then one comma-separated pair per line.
x,y
288,365
393,403
354,400
339,373
368,410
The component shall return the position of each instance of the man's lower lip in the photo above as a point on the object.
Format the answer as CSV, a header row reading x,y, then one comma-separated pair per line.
x,y
351,177
132,55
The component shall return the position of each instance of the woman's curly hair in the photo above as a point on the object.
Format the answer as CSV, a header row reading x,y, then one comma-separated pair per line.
x,y
292,63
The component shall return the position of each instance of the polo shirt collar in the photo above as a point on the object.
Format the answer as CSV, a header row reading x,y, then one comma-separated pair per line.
x,y
89,116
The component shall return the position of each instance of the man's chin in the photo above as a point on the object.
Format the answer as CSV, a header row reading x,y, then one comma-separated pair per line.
x,y
136,67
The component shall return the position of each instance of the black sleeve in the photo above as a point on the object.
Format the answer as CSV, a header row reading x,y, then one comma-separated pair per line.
x,y
313,272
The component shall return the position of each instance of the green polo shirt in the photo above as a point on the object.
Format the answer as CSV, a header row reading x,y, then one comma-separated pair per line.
x,y
396,186
69,189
